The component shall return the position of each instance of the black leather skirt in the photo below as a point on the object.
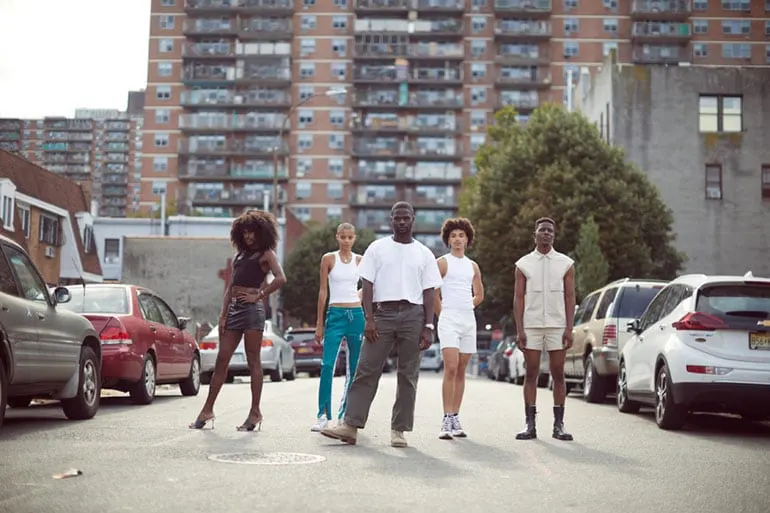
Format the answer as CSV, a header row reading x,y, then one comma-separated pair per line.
x,y
245,316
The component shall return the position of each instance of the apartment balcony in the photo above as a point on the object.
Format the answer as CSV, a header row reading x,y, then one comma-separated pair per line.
x,y
416,51
372,100
115,125
367,74
531,30
10,124
661,10
114,191
418,28
207,172
660,32
402,173
362,199
394,148
527,81
10,146
77,125
233,147
112,211
233,123
114,179
540,57
232,197
421,224
267,75
80,147
522,105
209,28
660,54
408,125
117,137
439,6
118,158
10,136
524,8
115,202
201,74
241,7
382,7
265,29
241,99
215,51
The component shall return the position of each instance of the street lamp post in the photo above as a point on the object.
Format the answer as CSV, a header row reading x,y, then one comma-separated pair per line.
x,y
279,144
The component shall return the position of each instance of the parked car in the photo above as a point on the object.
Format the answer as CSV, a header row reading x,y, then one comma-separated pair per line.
x,y
45,351
516,364
497,361
276,355
599,334
431,358
307,352
703,344
144,343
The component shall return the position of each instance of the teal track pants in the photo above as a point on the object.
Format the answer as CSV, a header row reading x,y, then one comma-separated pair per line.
x,y
347,323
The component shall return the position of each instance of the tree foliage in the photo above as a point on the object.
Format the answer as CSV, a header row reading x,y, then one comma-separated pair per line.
x,y
559,166
591,268
302,267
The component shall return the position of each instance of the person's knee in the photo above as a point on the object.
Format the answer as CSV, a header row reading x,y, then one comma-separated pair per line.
x,y
252,359
557,375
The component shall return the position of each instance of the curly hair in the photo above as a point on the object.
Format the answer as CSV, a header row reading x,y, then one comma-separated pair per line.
x,y
262,224
457,223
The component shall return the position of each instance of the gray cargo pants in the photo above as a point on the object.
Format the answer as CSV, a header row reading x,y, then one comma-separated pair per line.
x,y
399,324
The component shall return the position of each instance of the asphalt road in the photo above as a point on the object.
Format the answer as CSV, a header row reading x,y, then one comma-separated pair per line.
x,y
145,459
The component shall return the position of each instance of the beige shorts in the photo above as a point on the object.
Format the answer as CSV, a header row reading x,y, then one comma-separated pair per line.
x,y
548,339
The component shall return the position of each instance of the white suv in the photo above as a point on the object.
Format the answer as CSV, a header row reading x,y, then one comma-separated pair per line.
x,y
703,344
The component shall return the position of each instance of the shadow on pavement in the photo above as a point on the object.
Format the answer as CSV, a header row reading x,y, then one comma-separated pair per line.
x,y
490,456
727,429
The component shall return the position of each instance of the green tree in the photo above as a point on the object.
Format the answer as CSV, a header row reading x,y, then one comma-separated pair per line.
x,y
300,295
559,166
591,268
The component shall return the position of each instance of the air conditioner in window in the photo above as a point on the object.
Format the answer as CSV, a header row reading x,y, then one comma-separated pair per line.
x,y
50,251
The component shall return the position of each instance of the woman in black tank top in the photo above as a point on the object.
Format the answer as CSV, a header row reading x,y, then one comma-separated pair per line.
x,y
255,236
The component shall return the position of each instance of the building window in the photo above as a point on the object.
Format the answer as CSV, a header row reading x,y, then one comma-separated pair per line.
x,y
7,212
158,188
162,116
700,50
340,22
571,25
766,181
161,140
610,25
700,26
163,92
720,113
88,239
165,69
337,167
167,22
334,190
160,164
736,51
714,181
167,3
305,117
736,5
24,219
337,118
700,5
111,251
49,230
571,49
303,190
165,45
334,213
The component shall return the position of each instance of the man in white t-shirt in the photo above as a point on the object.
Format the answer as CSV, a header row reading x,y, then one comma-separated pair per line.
x,y
399,276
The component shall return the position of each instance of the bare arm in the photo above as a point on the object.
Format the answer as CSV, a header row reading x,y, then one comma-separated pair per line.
x,y
368,300
442,268
428,300
478,286
228,293
519,288
569,297
322,289
279,279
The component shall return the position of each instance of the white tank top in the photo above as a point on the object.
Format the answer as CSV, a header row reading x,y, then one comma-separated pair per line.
x,y
457,290
343,280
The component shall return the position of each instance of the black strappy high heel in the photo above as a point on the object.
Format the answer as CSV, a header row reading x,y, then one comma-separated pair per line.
x,y
201,423
251,426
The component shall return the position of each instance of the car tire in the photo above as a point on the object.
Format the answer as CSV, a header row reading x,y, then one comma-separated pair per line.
x,y
143,391
594,385
86,403
3,392
625,405
19,402
192,383
276,375
542,380
292,374
668,414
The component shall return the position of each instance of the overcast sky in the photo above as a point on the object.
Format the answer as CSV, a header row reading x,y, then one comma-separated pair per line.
x,y
60,55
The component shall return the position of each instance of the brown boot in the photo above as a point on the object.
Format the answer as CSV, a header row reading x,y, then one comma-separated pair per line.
x,y
343,432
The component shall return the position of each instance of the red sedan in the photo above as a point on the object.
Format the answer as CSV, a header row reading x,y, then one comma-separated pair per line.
x,y
144,343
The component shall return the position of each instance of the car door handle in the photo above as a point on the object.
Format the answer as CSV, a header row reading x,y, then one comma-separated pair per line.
x,y
41,316
585,329
662,327
3,308
153,329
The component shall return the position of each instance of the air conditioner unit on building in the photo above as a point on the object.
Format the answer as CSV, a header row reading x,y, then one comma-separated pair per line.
x,y
50,251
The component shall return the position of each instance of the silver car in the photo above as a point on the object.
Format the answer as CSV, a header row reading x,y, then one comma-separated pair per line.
x,y
45,351
277,356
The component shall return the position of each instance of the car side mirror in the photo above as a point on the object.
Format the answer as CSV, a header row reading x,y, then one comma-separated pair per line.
x,y
633,326
183,321
289,338
61,295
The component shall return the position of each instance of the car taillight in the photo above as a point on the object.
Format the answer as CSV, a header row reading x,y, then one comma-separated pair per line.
x,y
267,342
509,351
698,321
610,335
208,344
114,333
707,369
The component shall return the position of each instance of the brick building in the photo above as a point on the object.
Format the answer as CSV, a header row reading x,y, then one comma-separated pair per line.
x,y
49,216
424,79
701,135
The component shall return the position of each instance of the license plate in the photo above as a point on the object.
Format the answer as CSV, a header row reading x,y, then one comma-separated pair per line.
x,y
759,341
304,350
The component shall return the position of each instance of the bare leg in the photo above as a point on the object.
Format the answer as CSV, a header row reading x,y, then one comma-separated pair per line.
x,y
451,357
252,343
556,361
459,382
227,344
532,364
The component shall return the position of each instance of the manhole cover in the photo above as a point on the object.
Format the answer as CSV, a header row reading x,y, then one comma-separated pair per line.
x,y
267,458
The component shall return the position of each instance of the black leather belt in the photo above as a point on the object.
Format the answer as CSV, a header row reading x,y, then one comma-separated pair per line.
x,y
392,304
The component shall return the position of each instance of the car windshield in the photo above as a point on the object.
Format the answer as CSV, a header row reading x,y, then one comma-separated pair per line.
x,y
103,300
634,300
747,301
302,336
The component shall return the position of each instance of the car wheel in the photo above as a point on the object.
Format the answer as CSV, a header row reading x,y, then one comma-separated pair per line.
x,y
542,380
192,384
277,374
292,374
3,392
668,414
594,389
143,391
625,405
19,402
86,403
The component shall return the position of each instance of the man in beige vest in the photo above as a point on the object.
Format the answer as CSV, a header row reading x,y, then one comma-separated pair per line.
x,y
544,311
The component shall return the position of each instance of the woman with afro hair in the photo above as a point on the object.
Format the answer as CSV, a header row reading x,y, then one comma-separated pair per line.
x,y
254,235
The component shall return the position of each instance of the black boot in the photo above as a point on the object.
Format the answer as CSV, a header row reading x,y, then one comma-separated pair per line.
x,y
530,432
558,424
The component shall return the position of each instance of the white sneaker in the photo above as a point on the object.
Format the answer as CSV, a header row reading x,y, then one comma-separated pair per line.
x,y
457,429
320,424
446,428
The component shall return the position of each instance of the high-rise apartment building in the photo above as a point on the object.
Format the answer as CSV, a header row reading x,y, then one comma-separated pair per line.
x,y
100,149
424,78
